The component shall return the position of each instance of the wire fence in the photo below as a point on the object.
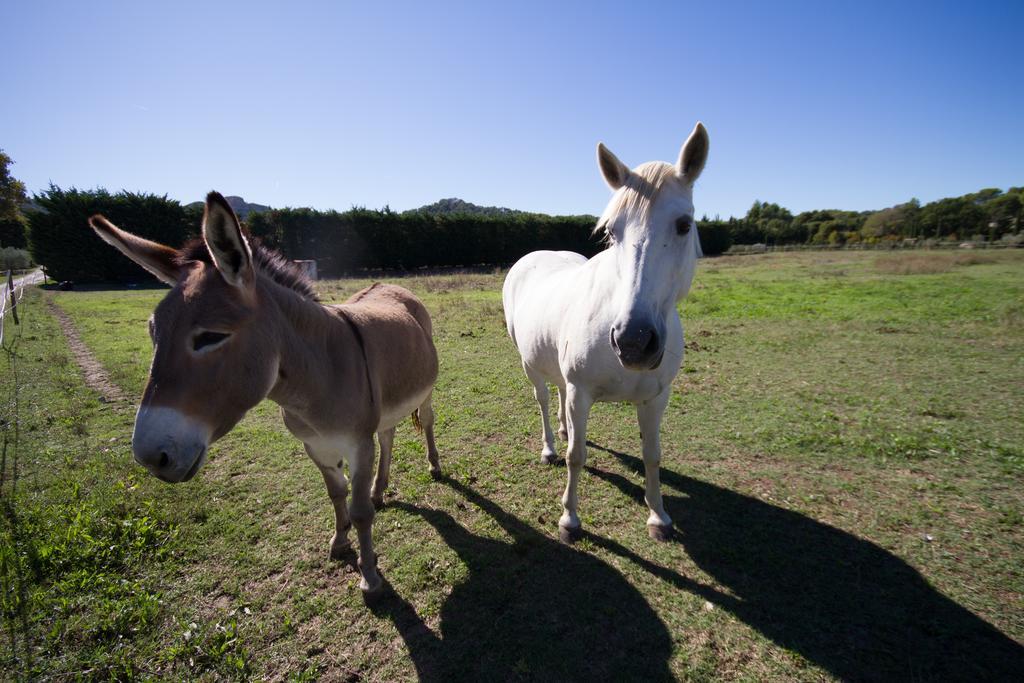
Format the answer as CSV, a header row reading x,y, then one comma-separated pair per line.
x,y
919,245
13,291
14,580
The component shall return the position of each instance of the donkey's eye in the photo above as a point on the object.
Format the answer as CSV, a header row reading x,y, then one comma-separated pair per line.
x,y
683,224
207,339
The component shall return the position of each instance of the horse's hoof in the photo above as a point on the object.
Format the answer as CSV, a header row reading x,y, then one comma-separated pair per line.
x,y
435,473
660,532
563,435
378,502
548,458
569,535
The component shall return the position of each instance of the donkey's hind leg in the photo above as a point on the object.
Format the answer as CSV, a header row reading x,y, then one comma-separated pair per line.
x,y
386,437
548,455
424,416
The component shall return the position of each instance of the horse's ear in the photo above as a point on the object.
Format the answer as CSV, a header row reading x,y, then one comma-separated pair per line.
x,y
694,153
159,260
227,244
614,171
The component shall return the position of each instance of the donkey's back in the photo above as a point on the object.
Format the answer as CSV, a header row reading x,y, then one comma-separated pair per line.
x,y
396,334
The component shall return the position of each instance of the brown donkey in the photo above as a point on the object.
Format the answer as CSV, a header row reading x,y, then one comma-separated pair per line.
x,y
239,325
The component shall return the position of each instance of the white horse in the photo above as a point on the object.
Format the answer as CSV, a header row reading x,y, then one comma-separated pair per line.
x,y
607,329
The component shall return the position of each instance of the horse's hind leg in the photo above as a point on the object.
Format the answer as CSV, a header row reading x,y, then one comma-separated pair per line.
x,y
548,455
563,431
386,438
578,405
425,416
659,524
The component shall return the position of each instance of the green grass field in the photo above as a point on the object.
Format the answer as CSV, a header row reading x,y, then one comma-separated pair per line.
x,y
843,458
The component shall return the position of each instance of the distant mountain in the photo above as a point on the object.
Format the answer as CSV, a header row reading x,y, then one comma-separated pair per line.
x,y
456,205
241,207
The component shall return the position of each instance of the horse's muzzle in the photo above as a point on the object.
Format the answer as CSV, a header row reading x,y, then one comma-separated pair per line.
x,y
638,345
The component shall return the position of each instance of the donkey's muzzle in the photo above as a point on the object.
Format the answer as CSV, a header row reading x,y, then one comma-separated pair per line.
x,y
638,345
169,444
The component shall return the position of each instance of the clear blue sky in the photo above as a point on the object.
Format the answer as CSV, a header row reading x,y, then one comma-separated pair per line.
x,y
850,105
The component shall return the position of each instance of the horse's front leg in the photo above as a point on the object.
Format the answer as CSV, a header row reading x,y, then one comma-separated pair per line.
x,y
337,489
361,511
648,415
577,405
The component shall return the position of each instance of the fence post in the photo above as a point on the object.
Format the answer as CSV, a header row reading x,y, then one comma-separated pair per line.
x,y
14,299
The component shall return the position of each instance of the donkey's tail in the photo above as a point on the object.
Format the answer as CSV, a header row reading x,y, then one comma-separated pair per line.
x,y
416,421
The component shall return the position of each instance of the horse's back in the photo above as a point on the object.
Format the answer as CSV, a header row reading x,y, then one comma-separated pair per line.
x,y
528,276
533,307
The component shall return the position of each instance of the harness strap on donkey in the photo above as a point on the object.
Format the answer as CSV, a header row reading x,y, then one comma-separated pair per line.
x,y
362,347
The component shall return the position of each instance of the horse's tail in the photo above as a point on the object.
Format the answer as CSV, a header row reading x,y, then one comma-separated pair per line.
x,y
416,421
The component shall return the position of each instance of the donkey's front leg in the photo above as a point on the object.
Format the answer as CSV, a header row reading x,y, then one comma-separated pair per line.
x,y
648,415
337,489
361,511
578,410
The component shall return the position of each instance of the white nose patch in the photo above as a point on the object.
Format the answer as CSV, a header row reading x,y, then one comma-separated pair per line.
x,y
169,443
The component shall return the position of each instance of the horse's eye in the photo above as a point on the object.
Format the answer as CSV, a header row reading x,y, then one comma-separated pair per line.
x,y
683,225
207,339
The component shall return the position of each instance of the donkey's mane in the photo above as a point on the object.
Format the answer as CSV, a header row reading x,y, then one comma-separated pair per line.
x,y
266,260
638,193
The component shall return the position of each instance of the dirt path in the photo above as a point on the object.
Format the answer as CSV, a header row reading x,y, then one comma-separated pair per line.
x,y
95,376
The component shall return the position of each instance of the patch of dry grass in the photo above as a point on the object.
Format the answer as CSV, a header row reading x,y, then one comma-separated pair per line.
x,y
929,262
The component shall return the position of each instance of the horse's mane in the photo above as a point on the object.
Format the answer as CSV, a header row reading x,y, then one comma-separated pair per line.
x,y
638,193
266,260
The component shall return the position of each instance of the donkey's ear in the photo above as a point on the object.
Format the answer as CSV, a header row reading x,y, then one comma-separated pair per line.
x,y
228,246
159,260
614,171
694,153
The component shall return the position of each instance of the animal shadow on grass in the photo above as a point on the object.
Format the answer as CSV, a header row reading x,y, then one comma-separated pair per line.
x,y
531,609
840,601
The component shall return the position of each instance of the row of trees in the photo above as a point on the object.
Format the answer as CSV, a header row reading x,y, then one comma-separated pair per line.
x,y
340,242
12,195
990,213
450,233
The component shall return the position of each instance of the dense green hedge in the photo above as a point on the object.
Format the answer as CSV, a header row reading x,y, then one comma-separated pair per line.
x,y
360,238
12,232
60,239
715,238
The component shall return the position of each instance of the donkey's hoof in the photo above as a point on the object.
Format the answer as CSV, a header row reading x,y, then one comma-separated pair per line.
x,y
548,458
378,502
341,550
660,532
563,434
371,587
569,535
436,474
